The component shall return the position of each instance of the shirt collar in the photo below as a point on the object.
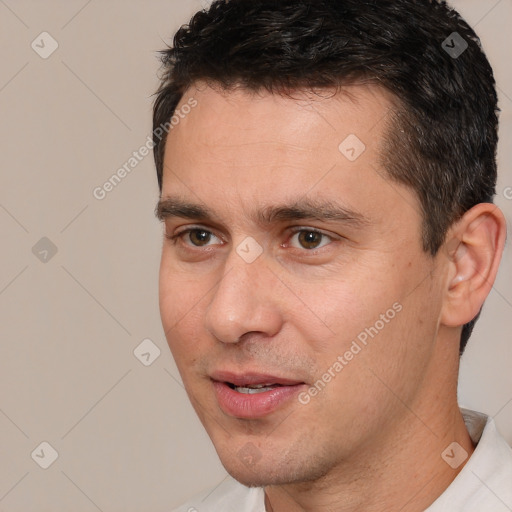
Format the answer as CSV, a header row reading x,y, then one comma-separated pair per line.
x,y
484,481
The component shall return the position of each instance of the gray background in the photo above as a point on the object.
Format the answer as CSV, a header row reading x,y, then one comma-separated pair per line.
x,y
126,437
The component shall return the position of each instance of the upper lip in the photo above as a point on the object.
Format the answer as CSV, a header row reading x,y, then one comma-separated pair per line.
x,y
252,378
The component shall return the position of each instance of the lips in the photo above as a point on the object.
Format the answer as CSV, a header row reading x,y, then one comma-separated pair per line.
x,y
253,395
252,379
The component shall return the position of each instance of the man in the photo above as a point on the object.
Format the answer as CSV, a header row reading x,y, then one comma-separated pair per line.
x,y
327,169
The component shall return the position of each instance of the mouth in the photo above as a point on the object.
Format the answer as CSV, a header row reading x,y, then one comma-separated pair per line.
x,y
253,395
253,390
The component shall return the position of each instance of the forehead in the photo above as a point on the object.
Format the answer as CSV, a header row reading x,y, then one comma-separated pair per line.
x,y
233,125
299,119
265,149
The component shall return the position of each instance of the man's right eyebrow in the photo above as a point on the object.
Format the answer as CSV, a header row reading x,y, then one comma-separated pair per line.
x,y
173,207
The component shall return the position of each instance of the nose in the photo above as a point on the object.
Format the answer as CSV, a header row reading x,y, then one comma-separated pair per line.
x,y
244,301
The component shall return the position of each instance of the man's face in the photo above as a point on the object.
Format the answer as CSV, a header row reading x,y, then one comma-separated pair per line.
x,y
302,267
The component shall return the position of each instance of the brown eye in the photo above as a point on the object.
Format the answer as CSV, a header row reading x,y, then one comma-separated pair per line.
x,y
195,238
309,239
199,237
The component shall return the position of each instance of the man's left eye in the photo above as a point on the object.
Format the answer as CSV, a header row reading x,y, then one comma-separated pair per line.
x,y
309,239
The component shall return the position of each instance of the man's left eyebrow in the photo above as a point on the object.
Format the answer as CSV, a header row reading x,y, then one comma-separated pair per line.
x,y
312,210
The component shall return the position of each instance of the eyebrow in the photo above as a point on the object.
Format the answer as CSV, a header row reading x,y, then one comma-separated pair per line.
x,y
311,209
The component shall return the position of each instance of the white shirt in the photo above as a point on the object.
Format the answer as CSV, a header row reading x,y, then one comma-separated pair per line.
x,y
483,485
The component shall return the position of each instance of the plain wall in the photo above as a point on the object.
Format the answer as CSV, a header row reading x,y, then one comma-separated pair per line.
x,y
127,438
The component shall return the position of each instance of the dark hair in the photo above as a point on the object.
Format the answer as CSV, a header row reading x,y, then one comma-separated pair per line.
x,y
441,138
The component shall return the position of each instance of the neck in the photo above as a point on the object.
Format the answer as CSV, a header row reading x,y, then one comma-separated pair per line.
x,y
402,469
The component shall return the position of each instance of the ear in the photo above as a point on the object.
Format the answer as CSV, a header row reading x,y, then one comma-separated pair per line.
x,y
474,246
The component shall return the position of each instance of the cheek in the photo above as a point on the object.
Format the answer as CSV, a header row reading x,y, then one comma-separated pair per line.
x,y
349,305
364,309
181,300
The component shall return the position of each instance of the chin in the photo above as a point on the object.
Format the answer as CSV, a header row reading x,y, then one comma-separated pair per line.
x,y
258,477
252,469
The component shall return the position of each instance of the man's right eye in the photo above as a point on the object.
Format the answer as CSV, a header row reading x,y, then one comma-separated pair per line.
x,y
195,237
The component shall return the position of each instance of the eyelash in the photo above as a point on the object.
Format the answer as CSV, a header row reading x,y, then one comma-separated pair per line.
x,y
174,238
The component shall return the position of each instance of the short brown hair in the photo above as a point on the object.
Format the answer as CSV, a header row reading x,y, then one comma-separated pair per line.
x,y
443,135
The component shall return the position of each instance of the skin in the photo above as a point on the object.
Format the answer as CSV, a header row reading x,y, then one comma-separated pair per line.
x,y
372,439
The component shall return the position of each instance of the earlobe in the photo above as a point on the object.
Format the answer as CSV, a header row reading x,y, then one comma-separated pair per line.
x,y
476,242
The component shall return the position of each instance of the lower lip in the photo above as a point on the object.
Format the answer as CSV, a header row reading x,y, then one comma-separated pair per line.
x,y
254,405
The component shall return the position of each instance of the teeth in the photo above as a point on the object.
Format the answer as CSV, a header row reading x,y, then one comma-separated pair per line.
x,y
252,391
258,388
